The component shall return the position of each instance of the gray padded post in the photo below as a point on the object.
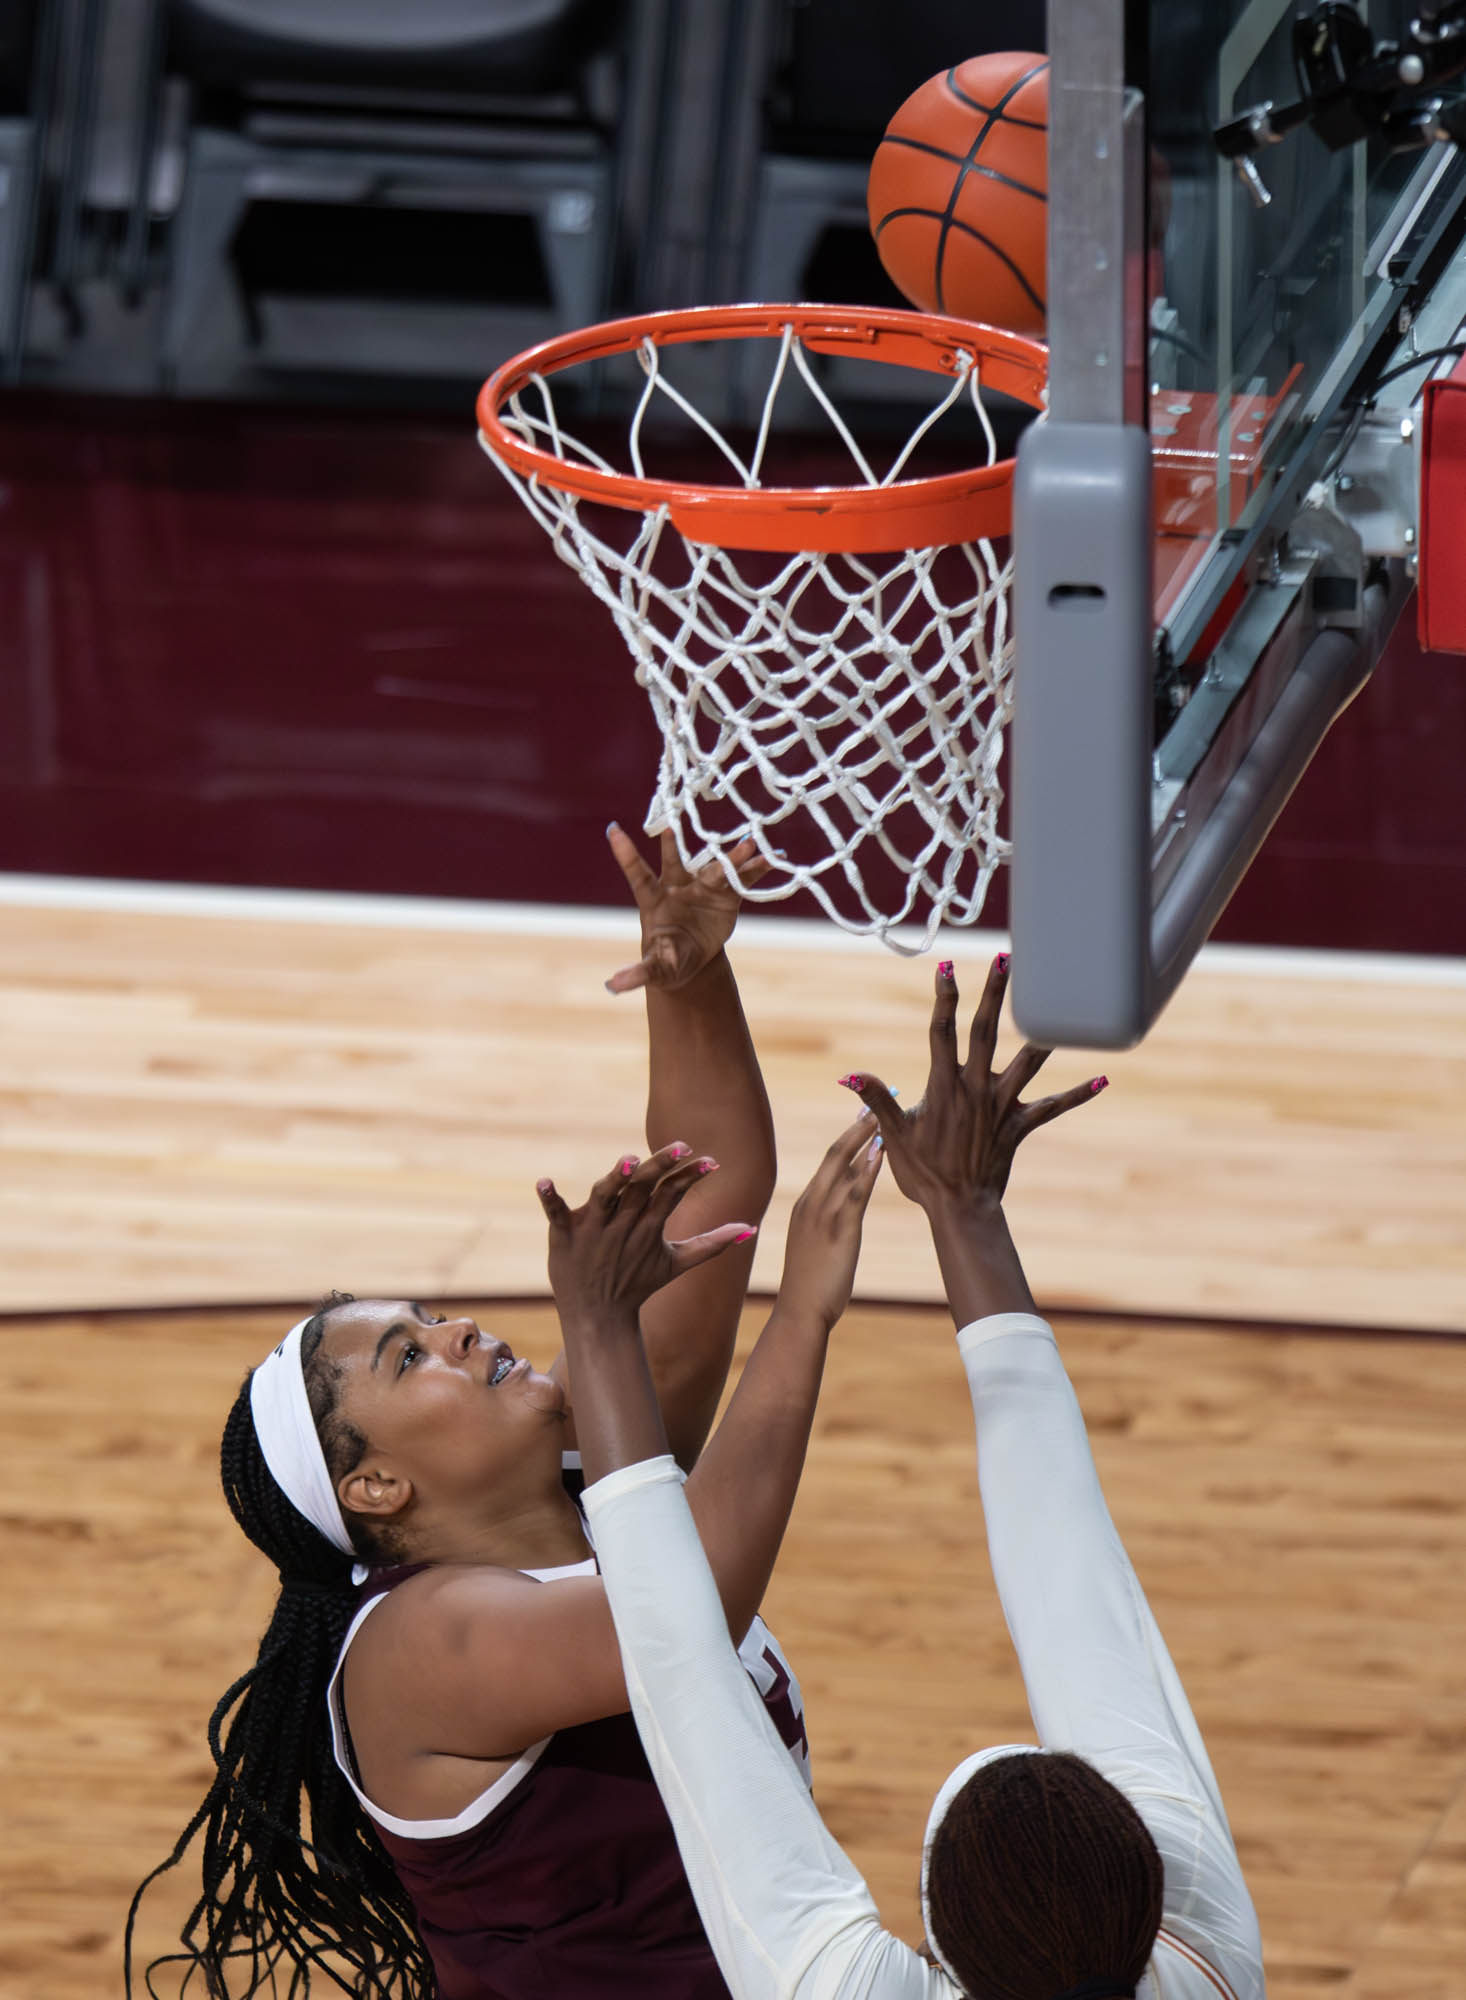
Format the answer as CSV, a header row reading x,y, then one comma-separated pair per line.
x,y
1080,878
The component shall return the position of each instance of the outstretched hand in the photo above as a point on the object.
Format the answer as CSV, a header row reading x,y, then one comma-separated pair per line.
x,y
823,1243
609,1256
686,918
956,1147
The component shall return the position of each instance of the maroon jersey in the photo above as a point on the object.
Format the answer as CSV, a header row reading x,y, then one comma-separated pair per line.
x,y
562,1881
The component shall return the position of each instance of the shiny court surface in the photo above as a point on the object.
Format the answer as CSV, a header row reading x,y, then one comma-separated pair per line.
x,y
226,1100
204,1106
1294,1504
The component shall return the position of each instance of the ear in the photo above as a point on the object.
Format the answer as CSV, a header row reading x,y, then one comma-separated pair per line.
x,y
375,1490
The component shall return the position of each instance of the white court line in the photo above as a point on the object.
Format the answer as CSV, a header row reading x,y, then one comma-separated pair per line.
x,y
444,913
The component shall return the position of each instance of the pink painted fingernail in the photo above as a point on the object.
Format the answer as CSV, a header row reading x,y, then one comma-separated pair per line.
x,y
679,1152
707,1166
1004,961
944,970
746,1235
852,1082
1100,1083
628,1168
543,1187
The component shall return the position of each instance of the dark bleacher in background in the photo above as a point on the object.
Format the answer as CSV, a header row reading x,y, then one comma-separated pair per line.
x,y
266,613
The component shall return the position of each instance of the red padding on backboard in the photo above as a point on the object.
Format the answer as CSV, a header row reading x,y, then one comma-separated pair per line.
x,y
1442,608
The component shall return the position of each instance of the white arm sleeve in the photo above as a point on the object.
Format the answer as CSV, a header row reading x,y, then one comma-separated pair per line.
x,y
787,1914
1095,1668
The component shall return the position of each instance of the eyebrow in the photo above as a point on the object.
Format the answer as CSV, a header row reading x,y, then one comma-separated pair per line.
x,y
397,1327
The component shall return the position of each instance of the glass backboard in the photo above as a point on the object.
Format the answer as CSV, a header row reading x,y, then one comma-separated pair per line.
x,y
1192,609
1257,308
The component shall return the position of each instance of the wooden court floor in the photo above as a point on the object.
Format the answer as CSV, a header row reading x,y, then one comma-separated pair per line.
x,y
211,1112
227,1109
1295,1504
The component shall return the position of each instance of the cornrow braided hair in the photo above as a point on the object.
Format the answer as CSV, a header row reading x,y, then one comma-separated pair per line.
x,y
278,1902
1044,1880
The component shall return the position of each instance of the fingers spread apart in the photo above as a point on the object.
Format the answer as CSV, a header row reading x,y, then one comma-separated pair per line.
x,y
1024,1067
943,1034
640,879
1046,1109
984,1037
877,1099
748,861
553,1203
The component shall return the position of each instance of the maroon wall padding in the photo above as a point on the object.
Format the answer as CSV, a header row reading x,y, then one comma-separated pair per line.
x,y
329,651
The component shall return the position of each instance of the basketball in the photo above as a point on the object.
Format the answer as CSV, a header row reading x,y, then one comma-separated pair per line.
x,y
958,192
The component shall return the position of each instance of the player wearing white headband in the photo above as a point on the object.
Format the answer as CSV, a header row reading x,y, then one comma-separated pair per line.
x,y
1096,1863
479,1819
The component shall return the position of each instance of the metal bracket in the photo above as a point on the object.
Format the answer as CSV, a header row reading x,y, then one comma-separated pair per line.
x,y
1376,489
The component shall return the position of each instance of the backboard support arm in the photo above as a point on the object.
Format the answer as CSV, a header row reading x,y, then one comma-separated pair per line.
x,y
1102,934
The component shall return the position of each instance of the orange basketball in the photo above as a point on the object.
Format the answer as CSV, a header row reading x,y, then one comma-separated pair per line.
x,y
958,192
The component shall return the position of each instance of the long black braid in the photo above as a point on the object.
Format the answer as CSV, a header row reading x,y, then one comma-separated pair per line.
x,y
281,1901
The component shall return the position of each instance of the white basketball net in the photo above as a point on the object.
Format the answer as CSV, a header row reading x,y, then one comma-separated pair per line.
x,y
846,712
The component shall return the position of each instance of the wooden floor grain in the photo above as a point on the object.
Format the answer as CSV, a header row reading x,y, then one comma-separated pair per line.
x,y
215,1110
1295,1505
218,1110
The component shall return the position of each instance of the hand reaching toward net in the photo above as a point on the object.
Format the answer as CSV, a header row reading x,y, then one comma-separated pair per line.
x,y
823,1243
609,1256
686,919
952,1153
955,1148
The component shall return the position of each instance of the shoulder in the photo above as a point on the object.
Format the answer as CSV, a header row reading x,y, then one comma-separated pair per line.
x,y
445,1599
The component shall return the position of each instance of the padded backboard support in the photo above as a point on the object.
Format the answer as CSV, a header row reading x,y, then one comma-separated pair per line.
x,y
1127,848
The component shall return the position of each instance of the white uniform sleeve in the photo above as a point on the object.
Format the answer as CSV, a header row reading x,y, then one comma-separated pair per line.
x,y
1095,1668
787,1914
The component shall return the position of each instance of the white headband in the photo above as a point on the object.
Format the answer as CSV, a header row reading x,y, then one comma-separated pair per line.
x,y
287,1433
941,1805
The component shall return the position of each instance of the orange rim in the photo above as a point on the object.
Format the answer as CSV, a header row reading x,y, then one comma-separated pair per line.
x,y
908,514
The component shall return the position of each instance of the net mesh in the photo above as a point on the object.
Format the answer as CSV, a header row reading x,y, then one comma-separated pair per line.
x,y
845,712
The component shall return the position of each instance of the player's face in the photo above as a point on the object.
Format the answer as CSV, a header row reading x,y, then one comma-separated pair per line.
x,y
453,1408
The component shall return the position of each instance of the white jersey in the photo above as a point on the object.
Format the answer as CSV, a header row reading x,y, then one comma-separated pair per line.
x,y
788,1915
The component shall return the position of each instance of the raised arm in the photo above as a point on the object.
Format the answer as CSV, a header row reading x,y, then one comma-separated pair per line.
x,y
607,1254
705,1089
607,1258
1095,1668
786,1912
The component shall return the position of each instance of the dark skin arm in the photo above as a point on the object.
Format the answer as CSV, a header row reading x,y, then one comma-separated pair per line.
x,y
743,1487
704,1088
494,1660
953,1152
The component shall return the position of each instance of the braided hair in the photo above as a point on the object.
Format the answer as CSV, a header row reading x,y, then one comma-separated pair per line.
x,y
280,1902
1044,1879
